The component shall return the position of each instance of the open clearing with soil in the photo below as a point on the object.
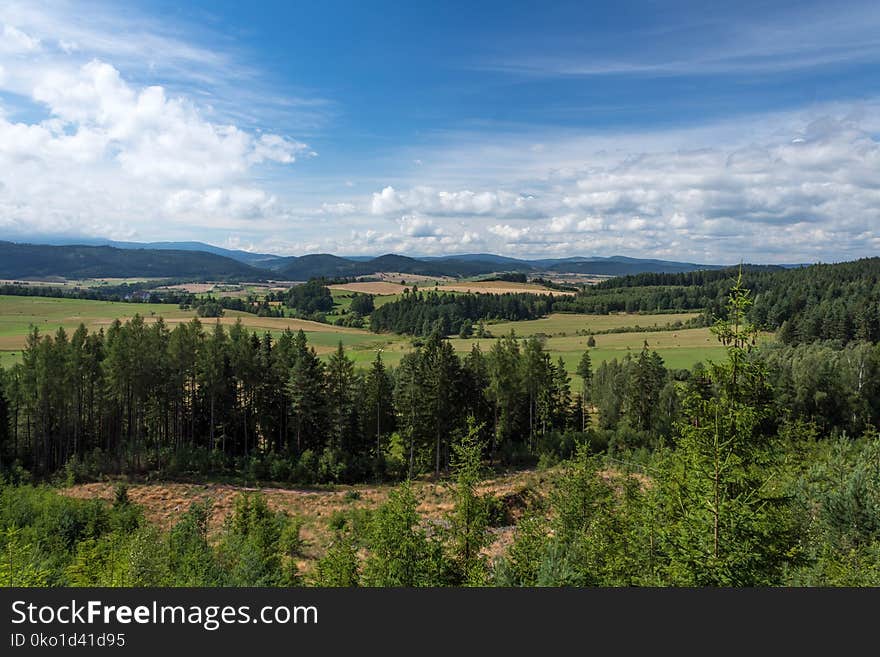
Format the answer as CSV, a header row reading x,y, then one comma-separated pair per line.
x,y
164,503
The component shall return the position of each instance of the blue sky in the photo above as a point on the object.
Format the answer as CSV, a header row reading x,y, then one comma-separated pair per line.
x,y
659,129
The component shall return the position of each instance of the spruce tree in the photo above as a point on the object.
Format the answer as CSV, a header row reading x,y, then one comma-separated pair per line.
x,y
726,525
585,371
378,413
340,381
469,521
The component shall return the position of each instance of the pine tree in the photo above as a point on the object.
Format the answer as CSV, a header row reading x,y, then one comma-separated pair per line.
x,y
643,390
340,382
469,521
400,552
212,375
409,397
505,388
537,374
725,525
585,371
441,368
378,416
6,450
306,391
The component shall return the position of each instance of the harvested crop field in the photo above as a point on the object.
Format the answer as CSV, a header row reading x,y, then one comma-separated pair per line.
x,y
502,287
371,287
572,323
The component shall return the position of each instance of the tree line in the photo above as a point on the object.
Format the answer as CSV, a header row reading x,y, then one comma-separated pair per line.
x,y
423,313
200,398
805,304
144,396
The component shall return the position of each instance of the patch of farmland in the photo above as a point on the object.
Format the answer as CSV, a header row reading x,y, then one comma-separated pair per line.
x,y
571,323
371,287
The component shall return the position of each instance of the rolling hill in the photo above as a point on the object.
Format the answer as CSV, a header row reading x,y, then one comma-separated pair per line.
x,y
199,261
78,261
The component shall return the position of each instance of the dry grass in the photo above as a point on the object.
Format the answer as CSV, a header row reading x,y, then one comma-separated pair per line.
x,y
398,277
519,492
371,287
165,503
194,288
502,287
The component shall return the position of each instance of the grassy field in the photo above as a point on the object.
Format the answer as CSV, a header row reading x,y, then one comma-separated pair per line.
x,y
679,349
342,297
563,323
18,314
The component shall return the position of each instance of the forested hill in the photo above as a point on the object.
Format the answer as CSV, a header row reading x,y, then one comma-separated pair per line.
x,y
75,261
329,266
195,259
322,265
820,302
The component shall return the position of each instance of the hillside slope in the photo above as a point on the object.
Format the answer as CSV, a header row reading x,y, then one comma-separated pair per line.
x,y
76,261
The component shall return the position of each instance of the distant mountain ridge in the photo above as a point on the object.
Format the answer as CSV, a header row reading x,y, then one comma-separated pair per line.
x,y
198,260
82,261
236,254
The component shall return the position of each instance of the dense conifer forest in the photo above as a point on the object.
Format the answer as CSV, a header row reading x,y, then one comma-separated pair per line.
x,y
422,313
819,302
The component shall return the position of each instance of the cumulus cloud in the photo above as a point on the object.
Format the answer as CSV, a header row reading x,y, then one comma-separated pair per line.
x,y
14,41
418,226
455,202
110,158
233,202
149,134
807,188
510,233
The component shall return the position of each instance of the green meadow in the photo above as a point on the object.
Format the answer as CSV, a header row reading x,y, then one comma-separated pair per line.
x,y
564,335
557,323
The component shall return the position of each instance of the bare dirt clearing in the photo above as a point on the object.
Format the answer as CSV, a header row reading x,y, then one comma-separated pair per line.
x,y
165,503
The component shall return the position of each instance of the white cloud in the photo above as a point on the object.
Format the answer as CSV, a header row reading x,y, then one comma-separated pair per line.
x,y
14,41
508,232
110,158
457,202
784,187
235,202
386,201
418,226
340,209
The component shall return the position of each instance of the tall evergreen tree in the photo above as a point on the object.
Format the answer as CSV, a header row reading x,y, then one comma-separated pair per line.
x,y
725,525
378,414
305,387
341,381
585,371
